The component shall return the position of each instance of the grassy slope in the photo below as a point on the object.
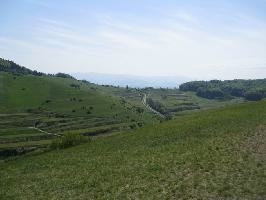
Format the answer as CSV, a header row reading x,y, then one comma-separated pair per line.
x,y
58,90
20,93
174,101
26,92
212,154
175,98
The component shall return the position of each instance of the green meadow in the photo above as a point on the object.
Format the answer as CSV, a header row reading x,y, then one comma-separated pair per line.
x,y
214,154
62,138
35,108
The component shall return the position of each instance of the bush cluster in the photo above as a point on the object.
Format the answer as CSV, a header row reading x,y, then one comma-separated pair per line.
x,y
156,105
69,140
11,67
252,90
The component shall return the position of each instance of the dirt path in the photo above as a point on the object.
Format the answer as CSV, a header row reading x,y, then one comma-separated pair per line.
x,y
144,102
42,131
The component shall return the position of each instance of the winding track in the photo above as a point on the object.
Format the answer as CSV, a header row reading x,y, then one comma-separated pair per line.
x,y
42,131
144,102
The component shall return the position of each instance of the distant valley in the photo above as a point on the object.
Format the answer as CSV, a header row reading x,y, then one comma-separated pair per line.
x,y
135,81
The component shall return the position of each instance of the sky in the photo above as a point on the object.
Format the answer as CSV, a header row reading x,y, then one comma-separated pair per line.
x,y
200,39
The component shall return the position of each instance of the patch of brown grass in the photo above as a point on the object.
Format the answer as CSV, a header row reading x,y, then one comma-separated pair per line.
x,y
256,144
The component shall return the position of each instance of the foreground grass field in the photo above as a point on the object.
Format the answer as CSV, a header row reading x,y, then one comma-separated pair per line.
x,y
215,154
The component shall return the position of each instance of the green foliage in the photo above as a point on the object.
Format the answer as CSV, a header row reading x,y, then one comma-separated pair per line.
x,y
192,86
156,105
68,140
139,110
254,95
63,75
181,108
77,86
211,93
11,67
250,89
168,117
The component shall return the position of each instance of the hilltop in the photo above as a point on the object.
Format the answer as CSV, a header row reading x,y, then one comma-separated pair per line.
x,y
36,106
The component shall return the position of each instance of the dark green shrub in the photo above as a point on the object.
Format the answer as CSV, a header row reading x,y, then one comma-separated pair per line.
x,y
133,126
250,89
168,117
63,75
69,140
140,124
156,105
254,95
210,93
139,110
11,67
237,92
192,86
77,86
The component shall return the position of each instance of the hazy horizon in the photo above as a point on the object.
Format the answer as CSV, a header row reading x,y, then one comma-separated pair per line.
x,y
195,39
135,81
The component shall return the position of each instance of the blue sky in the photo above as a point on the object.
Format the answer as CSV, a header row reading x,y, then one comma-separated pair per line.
x,y
222,39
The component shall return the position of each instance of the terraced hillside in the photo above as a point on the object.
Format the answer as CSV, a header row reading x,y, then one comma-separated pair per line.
x,y
174,102
213,154
34,109
170,102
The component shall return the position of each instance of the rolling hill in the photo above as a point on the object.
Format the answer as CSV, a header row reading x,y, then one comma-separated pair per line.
x,y
214,154
35,107
204,152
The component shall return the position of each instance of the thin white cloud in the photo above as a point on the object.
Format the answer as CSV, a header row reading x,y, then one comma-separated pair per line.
x,y
176,45
182,16
119,38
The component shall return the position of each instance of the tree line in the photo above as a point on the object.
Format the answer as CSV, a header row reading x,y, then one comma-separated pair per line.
x,y
252,90
12,67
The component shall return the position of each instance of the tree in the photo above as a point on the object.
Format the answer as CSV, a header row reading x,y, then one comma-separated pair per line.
x,y
254,95
249,89
156,105
11,67
211,93
63,75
